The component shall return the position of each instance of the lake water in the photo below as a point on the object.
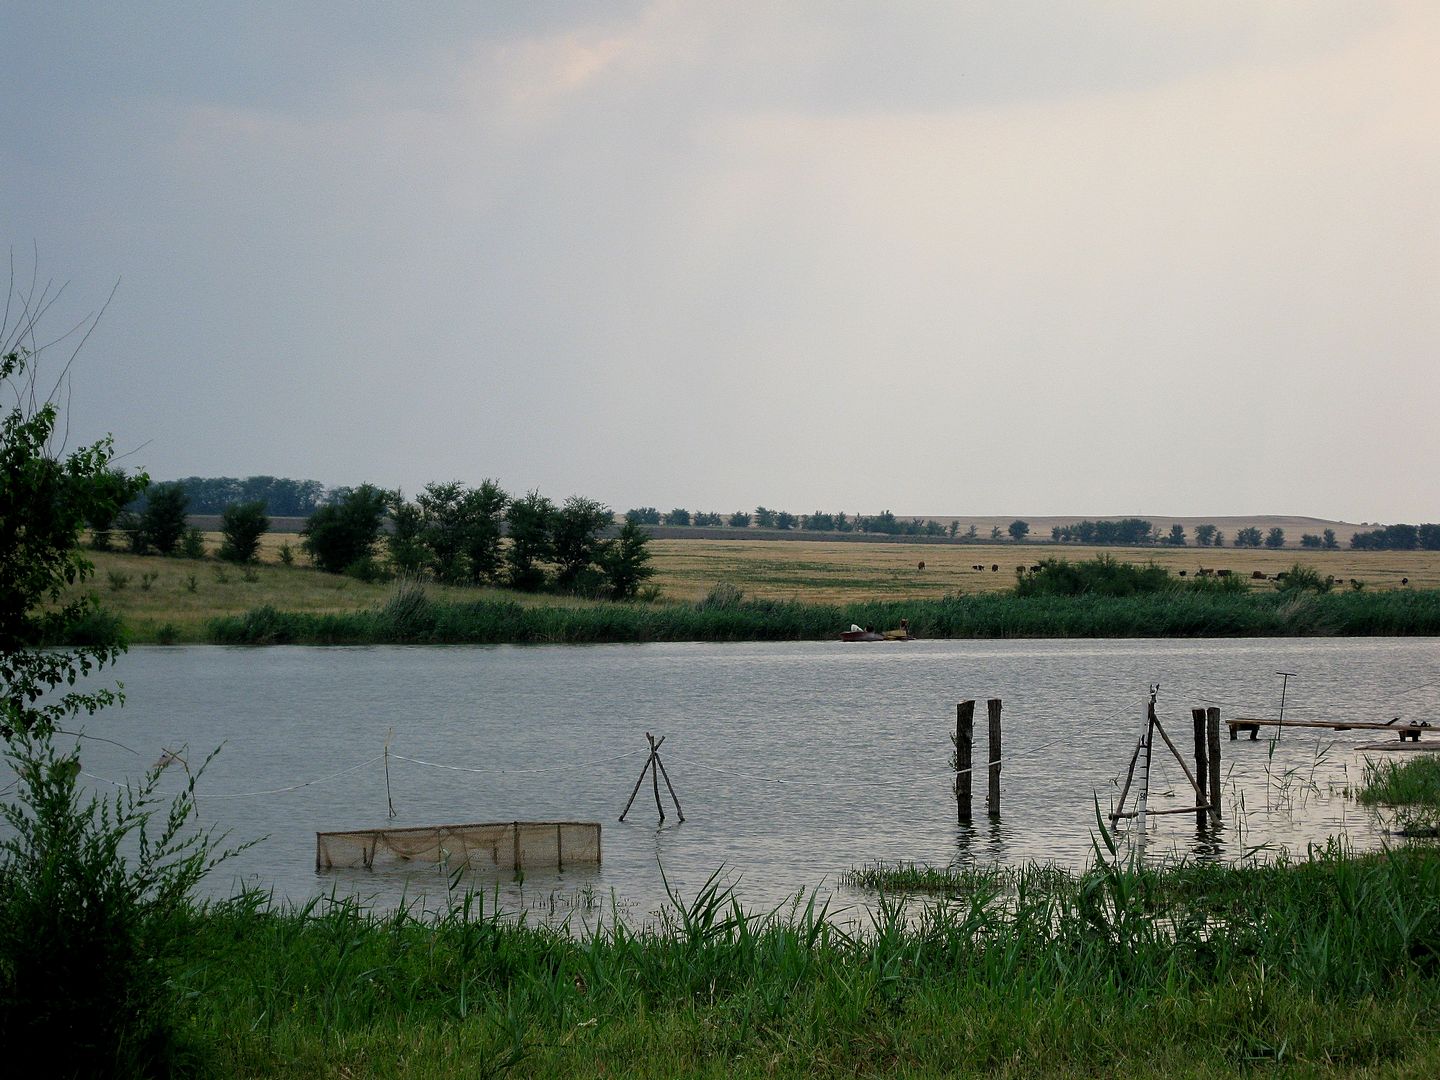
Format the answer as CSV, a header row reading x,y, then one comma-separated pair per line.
x,y
793,762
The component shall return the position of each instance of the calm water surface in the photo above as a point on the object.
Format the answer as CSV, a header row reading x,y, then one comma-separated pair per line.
x,y
793,762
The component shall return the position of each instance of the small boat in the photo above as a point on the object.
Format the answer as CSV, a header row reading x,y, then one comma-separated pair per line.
x,y
856,633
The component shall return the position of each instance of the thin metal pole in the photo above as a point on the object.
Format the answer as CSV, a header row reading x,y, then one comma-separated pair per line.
x,y
1286,676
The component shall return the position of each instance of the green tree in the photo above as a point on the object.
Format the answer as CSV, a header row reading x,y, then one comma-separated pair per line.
x,y
442,531
484,514
530,541
739,520
764,518
1328,541
643,515
404,544
162,522
341,535
1019,530
1205,535
45,500
242,525
87,939
1275,538
575,538
1176,538
678,516
625,561
1248,537
1310,540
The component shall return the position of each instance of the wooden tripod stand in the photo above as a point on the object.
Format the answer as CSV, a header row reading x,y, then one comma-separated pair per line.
x,y
656,768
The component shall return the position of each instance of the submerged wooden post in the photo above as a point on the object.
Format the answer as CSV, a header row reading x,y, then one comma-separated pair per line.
x,y
964,733
1212,737
992,789
654,772
1202,771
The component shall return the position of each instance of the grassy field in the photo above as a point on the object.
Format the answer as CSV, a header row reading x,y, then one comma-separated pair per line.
x,y
183,595
819,572
1326,968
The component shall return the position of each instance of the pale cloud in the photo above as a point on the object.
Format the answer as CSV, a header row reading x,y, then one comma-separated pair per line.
x,y
1088,258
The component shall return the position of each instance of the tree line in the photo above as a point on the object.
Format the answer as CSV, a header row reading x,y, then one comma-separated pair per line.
x,y
453,533
1398,538
450,533
277,495
884,523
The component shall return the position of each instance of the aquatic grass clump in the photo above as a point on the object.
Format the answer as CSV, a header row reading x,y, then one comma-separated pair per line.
x,y
1411,789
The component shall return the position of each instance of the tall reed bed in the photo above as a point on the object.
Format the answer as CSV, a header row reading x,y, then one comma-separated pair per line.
x,y
412,617
1332,964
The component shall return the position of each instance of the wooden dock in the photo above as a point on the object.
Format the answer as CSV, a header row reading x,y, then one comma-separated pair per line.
x,y
1253,725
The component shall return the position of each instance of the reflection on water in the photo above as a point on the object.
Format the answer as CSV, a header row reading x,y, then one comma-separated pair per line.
x,y
794,762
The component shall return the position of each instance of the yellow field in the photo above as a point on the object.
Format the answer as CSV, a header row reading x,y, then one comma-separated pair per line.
x,y
839,572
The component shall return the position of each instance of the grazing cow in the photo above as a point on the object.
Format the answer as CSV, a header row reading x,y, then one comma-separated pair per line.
x,y
1257,575
1020,569
1182,573
1035,569
1203,572
922,565
1282,575
1222,573
994,568
1404,581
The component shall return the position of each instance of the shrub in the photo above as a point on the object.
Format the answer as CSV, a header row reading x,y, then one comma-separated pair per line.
x,y
343,533
367,569
147,579
89,938
118,579
1304,579
167,633
625,562
242,525
1103,576
192,544
162,522
190,583
287,554
723,596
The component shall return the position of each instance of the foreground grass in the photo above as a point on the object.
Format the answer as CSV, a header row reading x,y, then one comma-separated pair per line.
x,y
1331,966
411,616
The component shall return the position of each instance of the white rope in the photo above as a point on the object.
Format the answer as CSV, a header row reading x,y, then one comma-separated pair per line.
x,y
516,772
247,794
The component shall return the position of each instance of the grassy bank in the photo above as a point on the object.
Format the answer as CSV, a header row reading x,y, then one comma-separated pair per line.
x,y
412,616
1331,966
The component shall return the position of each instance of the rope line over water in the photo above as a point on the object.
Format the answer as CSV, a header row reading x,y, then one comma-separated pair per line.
x,y
517,772
247,794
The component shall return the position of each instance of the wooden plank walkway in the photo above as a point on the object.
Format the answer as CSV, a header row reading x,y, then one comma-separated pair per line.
x,y
1253,725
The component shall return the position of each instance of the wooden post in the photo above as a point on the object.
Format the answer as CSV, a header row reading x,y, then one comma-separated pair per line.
x,y
964,733
515,826
1212,736
654,773
1202,771
992,789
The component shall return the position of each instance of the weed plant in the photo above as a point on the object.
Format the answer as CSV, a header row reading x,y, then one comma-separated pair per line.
x,y
89,938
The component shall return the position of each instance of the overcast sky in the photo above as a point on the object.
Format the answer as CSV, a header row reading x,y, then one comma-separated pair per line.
x,y
942,258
